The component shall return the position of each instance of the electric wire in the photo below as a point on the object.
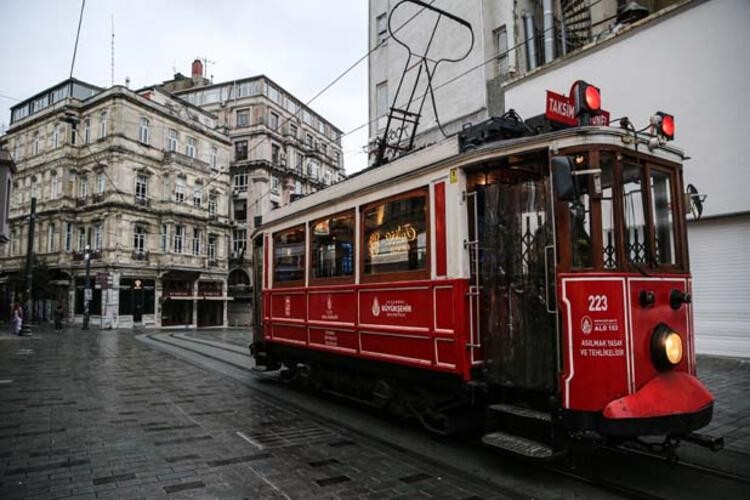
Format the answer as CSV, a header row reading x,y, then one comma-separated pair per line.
x,y
78,34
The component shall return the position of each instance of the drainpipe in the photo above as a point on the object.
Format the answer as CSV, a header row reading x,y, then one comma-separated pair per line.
x,y
530,46
549,32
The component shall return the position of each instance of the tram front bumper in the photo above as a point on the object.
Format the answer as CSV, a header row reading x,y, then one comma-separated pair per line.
x,y
670,403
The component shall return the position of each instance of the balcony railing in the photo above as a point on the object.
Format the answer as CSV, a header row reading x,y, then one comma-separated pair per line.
x,y
175,157
93,254
140,255
97,198
213,262
82,202
144,202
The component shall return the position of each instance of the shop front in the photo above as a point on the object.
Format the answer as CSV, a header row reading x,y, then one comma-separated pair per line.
x,y
177,302
137,298
211,302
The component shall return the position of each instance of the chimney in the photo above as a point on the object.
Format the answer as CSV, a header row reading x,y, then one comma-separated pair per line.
x,y
197,69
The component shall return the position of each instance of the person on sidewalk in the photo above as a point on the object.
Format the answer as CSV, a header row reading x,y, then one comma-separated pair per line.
x,y
17,319
59,317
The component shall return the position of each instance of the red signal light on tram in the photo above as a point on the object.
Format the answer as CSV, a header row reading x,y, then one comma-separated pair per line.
x,y
665,125
588,98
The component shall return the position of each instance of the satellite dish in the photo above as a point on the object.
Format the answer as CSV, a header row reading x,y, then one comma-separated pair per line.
x,y
695,201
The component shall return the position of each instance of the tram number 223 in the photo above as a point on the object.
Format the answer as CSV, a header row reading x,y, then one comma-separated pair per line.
x,y
597,303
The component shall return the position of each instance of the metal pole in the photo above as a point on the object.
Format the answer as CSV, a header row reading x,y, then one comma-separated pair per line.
x,y
87,290
29,257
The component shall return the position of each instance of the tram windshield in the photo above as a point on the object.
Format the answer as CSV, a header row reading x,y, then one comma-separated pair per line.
x,y
625,215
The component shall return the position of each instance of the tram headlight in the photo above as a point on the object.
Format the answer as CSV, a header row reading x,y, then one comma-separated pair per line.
x,y
666,347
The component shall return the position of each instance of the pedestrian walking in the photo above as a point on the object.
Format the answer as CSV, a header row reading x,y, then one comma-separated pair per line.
x,y
17,319
59,317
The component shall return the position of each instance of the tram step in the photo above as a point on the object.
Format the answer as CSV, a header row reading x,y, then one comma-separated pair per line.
x,y
518,445
520,411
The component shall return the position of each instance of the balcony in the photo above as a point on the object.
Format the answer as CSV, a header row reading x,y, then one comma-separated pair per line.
x,y
94,254
97,198
82,202
238,258
140,255
213,262
185,160
143,202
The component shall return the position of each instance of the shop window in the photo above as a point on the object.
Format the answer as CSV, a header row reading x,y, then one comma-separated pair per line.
x,y
289,256
395,235
333,246
95,305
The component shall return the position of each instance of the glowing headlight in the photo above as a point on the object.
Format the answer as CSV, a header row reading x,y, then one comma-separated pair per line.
x,y
666,347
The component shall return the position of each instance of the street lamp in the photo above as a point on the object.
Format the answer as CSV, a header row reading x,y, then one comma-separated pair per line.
x,y
87,289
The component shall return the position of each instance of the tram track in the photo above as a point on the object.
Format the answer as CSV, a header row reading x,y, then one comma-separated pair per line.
x,y
572,472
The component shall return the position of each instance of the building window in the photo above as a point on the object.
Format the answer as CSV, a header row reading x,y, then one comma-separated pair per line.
x,y
273,121
179,192
239,236
275,184
337,158
56,136
83,187
333,246
293,131
196,241
100,183
179,233
275,154
172,140
298,166
243,118
323,148
103,125
197,197
35,144
143,131
55,188
212,247
51,237
289,255
240,182
501,50
190,147
381,99
98,237
395,235
12,243
212,204
86,131
381,27
213,154
139,238
141,187
68,236
164,237
240,150
309,140
81,238
240,210
297,187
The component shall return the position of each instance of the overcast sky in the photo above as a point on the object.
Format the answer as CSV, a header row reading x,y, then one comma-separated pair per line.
x,y
301,44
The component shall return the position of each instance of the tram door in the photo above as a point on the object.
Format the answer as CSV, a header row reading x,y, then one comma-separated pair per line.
x,y
257,278
515,226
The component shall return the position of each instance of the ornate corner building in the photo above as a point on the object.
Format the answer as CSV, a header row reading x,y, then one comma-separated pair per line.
x,y
141,179
281,150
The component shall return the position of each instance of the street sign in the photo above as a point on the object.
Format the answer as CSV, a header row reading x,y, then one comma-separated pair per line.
x,y
87,294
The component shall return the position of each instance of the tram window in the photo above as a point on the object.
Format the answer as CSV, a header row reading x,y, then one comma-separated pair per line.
x,y
580,227
333,246
661,199
609,254
289,256
636,243
395,236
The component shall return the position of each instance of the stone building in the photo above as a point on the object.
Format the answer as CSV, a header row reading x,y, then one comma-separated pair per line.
x,y
281,150
142,180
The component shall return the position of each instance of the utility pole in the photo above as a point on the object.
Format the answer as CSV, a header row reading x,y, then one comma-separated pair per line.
x,y
87,290
26,328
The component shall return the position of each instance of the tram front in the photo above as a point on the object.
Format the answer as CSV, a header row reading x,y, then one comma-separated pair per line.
x,y
627,350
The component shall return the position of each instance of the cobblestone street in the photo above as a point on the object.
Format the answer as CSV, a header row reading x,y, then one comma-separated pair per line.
x,y
103,415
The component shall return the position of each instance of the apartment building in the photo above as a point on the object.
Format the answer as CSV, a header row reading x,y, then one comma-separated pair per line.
x,y
281,150
139,182
683,57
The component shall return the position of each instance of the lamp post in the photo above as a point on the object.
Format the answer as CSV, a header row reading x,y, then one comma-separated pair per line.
x,y
87,289
29,259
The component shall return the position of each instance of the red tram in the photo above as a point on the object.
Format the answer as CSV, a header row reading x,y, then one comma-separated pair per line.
x,y
536,288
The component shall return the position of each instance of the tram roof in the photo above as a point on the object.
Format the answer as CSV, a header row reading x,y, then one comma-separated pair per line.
x,y
447,153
